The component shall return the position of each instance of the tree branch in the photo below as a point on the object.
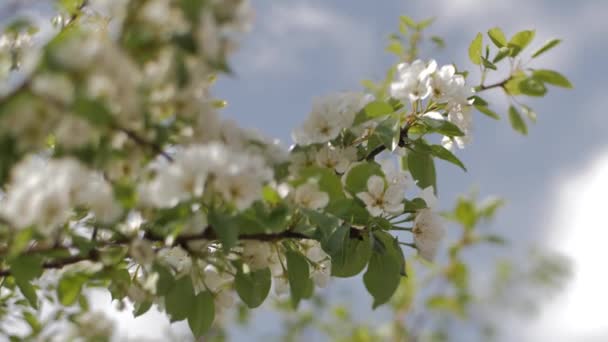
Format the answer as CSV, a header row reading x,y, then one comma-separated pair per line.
x,y
500,84
208,234
143,142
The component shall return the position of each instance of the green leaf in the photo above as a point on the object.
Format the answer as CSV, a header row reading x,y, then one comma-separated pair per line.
x,y
465,213
179,299
69,288
141,308
532,86
438,41
93,110
226,228
326,178
33,322
422,168
517,122
26,267
475,49
497,37
252,286
487,111
395,47
28,291
356,179
443,127
548,46
425,23
201,314
165,280
384,269
349,255
298,276
445,154
501,54
70,6
520,40
373,110
407,21
388,133
486,63
349,210
552,77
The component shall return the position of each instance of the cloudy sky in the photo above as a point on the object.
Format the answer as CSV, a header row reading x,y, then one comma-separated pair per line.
x,y
555,180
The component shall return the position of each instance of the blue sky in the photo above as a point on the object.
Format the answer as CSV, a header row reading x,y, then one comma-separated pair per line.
x,y
554,180
302,49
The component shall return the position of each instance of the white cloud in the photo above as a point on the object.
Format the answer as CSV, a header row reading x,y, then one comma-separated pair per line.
x,y
579,231
288,33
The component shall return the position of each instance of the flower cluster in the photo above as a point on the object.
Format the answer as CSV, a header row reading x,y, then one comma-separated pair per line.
x,y
43,193
237,176
422,80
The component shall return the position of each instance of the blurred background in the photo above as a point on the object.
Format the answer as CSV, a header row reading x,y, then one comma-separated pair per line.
x,y
554,181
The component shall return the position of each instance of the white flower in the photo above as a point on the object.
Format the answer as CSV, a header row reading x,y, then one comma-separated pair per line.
x,y
329,116
257,254
177,258
240,189
43,193
396,176
379,200
309,196
223,300
237,176
321,273
428,233
413,80
214,280
301,160
281,285
336,158
141,251
56,87
461,117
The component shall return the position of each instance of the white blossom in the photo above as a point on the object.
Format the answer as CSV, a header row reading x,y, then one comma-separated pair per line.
x,y
177,258
258,254
380,199
413,80
428,233
309,196
336,158
396,176
329,116
43,193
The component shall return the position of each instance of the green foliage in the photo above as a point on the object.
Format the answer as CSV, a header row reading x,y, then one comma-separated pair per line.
x,y
348,255
252,286
202,314
298,275
517,122
546,47
475,49
384,268
422,168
